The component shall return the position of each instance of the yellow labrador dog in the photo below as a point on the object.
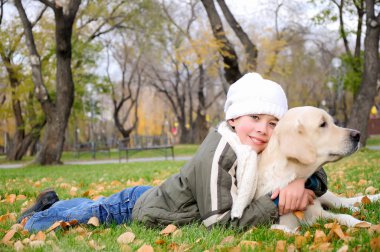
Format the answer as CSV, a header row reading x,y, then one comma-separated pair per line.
x,y
305,139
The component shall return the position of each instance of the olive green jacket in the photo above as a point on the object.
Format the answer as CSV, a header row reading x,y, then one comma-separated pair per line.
x,y
203,190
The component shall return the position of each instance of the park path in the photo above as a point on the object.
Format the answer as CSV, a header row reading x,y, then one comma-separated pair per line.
x,y
104,161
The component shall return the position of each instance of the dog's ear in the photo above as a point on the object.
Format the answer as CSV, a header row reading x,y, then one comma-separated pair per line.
x,y
294,144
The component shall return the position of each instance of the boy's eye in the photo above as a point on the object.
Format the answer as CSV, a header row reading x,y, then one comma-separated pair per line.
x,y
273,124
255,117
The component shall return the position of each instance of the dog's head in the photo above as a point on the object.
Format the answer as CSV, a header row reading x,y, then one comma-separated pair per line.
x,y
308,135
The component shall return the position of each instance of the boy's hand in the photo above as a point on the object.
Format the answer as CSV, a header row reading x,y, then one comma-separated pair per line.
x,y
294,197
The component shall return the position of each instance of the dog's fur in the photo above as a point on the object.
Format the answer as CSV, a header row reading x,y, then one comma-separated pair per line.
x,y
304,140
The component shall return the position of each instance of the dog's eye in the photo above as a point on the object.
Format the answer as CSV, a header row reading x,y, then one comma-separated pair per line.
x,y
323,125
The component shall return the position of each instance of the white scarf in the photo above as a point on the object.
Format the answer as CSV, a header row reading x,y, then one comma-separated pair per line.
x,y
246,172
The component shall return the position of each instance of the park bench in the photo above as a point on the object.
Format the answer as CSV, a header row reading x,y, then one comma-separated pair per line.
x,y
139,143
93,148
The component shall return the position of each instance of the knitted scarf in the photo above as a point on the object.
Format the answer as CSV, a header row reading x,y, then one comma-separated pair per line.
x,y
246,171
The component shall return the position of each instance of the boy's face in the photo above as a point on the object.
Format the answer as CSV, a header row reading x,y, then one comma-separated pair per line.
x,y
254,130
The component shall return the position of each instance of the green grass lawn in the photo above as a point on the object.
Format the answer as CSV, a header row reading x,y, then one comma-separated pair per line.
x,y
350,176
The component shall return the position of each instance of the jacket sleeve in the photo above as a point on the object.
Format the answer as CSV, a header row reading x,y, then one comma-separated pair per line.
x,y
317,182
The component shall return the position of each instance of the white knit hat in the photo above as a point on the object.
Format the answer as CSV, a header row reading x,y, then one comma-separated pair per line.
x,y
252,94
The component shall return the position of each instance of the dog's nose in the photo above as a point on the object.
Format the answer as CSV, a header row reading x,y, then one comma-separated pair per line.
x,y
355,135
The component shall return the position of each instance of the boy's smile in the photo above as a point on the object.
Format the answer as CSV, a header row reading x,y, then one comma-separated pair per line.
x,y
254,130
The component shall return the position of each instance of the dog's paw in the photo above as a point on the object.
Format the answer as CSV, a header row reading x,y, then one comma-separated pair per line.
x,y
236,212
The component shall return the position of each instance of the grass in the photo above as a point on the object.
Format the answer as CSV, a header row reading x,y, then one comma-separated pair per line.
x,y
179,150
350,176
373,140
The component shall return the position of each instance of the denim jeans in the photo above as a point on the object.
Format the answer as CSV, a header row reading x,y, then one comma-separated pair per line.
x,y
116,208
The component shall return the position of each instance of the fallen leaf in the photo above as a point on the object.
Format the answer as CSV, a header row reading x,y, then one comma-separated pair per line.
x,y
54,226
160,242
299,214
17,227
338,231
8,236
375,244
18,246
228,239
319,236
93,221
169,229
344,248
11,217
307,235
249,244
370,190
362,182
145,248
177,233
36,244
94,245
126,238
363,225
10,198
40,236
366,200
281,245
125,248
20,197
291,248
300,241
374,229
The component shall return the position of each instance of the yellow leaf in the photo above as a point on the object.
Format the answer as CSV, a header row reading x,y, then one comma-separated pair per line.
x,y
362,182
10,198
20,197
40,236
374,228
366,200
363,225
18,246
370,190
169,229
319,236
344,248
54,226
93,221
94,245
299,214
160,242
375,244
228,239
338,231
17,227
249,244
300,241
36,244
126,238
281,245
145,248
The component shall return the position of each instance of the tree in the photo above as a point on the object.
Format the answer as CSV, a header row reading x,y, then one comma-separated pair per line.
x,y
57,112
368,87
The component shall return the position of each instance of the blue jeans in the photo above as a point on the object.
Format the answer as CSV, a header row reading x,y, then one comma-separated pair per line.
x,y
116,208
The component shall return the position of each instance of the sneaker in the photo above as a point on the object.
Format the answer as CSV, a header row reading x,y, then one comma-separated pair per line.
x,y
45,199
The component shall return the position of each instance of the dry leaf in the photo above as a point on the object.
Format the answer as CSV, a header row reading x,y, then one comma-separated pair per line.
x,y
54,226
11,217
375,244
299,214
17,227
10,198
249,244
93,221
145,248
300,241
8,236
338,231
36,244
94,245
319,236
160,242
73,191
344,248
366,200
228,239
169,229
362,182
126,238
363,225
370,190
177,233
307,235
125,248
40,236
18,246
281,245
374,229
291,248
20,197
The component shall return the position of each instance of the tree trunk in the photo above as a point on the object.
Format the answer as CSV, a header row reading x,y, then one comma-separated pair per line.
x,y
230,58
57,114
367,91
250,48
